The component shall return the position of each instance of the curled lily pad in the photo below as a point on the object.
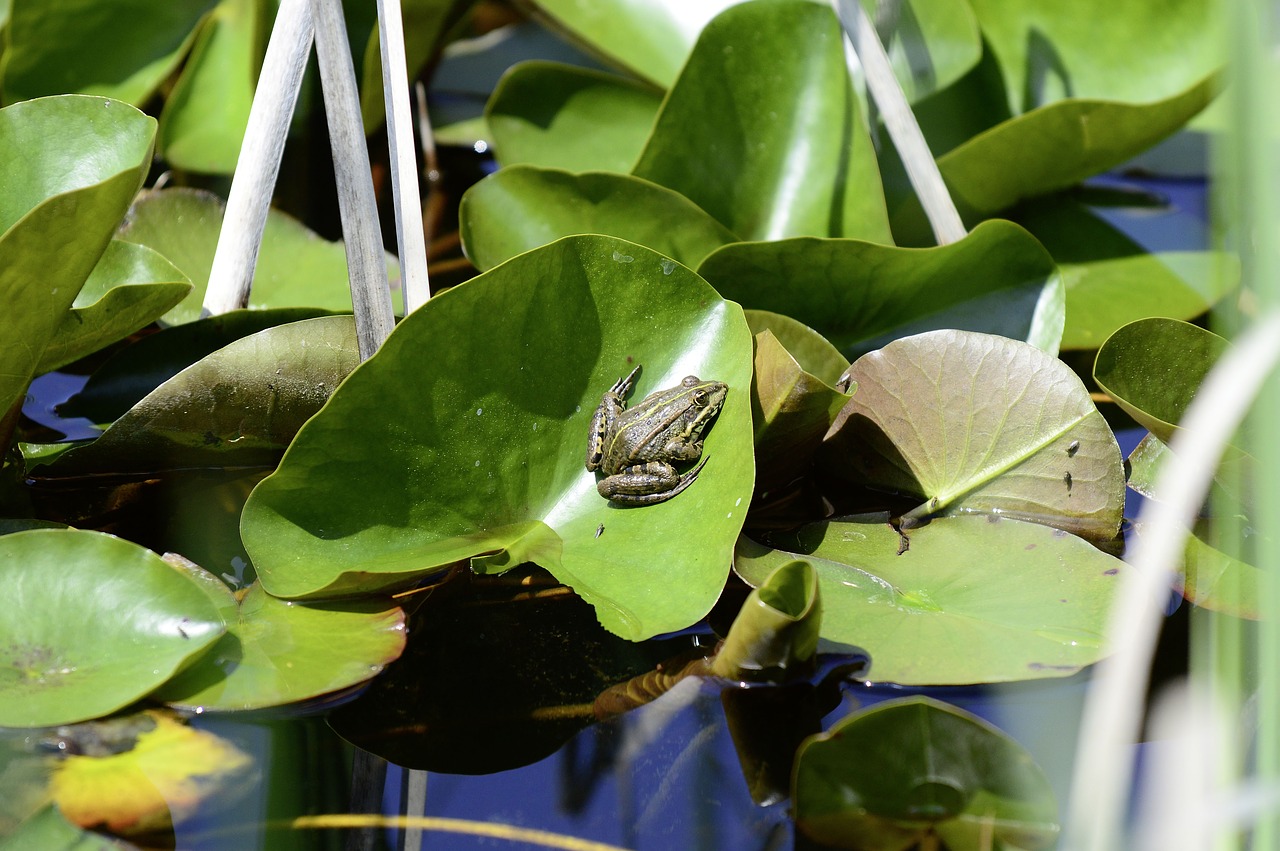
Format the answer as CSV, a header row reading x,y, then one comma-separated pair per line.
x,y
277,652
961,600
775,634
812,351
917,770
239,406
62,660
861,295
763,131
474,418
973,422
563,116
1152,368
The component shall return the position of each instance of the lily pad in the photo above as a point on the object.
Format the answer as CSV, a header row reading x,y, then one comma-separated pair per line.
x,y
277,652
206,113
563,116
474,418
49,830
763,131
295,267
1153,367
83,159
973,422
62,660
130,287
917,770
968,600
775,634
122,49
240,406
521,207
812,351
861,295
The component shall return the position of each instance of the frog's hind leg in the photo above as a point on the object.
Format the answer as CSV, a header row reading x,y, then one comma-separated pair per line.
x,y
646,484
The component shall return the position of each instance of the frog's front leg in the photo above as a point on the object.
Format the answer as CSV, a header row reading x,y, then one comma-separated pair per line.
x,y
646,484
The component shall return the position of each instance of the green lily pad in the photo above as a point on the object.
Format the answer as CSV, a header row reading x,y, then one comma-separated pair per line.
x,y
295,267
1111,281
775,634
973,422
969,599
62,660
917,770
812,351
130,287
83,159
121,49
240,406
474,418
205,115
133,372
861,295
763,131
49,830
521,207
563,116
276,652
1153,367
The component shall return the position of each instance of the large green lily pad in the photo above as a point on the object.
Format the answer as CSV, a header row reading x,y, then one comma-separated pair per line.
x,y
562,116
83,158
973,422
522,207
917,770
239,406
64,659
296,268
861,295
472,424
763,131
277,652
968,600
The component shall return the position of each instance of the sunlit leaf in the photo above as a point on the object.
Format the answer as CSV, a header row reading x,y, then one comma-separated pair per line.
x,y
973,422
917,770
968,599
775,634
812,351
62,660
860,295
474,418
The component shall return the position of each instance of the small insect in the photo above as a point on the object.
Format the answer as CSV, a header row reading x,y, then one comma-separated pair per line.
x,y
600,530
1066,478
1073,449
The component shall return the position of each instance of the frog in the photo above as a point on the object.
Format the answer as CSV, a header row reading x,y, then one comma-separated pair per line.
x,y
637,447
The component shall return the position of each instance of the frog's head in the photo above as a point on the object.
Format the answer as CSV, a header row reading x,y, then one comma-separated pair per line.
x,y
705,399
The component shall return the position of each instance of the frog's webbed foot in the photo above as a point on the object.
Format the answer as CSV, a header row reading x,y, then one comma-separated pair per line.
x,y
647,484
622,387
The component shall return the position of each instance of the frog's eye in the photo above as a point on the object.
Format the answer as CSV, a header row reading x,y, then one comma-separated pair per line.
x,y
700,398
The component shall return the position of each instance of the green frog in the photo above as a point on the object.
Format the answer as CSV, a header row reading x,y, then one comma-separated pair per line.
x,y
635,447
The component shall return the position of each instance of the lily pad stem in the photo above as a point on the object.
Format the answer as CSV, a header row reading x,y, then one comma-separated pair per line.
x,y
410,238
901,123
370,293
231,275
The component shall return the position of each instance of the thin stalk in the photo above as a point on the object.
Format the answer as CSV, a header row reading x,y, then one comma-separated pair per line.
x,y
1113,710
922,169
370,292
231,275
411,243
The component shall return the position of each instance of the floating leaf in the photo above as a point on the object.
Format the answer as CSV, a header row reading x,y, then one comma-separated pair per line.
x,y
295,267
49,830
130,287
968,600
1153,367
563,116
917,770
276,652
62,661
121,49
240,406
974,422
83,159
763,131
169,771
481,454
521,207
775,634
812,351
860,295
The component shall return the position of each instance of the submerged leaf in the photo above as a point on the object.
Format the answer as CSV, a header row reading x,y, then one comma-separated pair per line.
x,y
960,600
473,420
973,422
61,660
